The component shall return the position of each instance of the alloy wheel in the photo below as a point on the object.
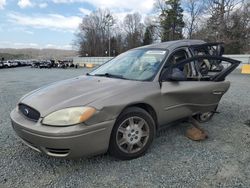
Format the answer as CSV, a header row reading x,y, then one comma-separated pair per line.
x,y
132,134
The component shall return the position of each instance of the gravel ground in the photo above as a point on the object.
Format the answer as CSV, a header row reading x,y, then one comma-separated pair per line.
x,y
223,160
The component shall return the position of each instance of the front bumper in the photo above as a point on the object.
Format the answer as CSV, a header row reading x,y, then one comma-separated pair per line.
x,y
66,142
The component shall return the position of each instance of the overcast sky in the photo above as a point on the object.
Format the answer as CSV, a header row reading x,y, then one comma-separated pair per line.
x,y
52,23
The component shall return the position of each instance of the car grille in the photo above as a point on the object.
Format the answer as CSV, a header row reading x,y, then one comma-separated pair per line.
x,y
29,112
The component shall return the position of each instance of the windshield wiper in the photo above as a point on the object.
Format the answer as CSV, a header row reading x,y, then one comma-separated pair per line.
x,y
109,75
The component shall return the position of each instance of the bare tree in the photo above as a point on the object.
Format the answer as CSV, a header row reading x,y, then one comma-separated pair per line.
x,y
153,24
94,35
133,28
211,20
160,6
194,10
220,11
100,34
238,31
229,23
132,23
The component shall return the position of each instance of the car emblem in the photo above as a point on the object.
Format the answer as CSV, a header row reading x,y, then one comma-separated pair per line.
x,y
26,111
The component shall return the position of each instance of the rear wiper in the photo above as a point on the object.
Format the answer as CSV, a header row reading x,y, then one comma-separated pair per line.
x,y
109,75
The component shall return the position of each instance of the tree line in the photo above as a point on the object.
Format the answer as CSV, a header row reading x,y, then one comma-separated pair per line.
x,y
228,21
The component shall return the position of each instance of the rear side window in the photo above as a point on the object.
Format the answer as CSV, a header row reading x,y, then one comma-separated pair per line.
x,y
211,68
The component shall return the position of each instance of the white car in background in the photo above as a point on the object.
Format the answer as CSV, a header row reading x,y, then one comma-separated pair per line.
x,y
14,63
7,64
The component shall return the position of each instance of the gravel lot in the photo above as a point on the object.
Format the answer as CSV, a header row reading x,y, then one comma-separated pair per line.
x,y
223,160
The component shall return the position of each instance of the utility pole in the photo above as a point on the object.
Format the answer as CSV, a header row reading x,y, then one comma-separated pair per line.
x,y
109,37
110,21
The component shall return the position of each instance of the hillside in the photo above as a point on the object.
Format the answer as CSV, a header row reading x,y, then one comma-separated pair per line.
x,y
31,53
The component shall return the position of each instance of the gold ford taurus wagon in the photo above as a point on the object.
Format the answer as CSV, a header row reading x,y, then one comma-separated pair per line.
x,y
119,106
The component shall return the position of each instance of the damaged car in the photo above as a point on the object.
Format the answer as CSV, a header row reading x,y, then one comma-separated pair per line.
x,y
119,106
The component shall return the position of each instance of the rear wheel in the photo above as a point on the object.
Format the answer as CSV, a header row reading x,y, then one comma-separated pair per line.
x,y
204,117
132,134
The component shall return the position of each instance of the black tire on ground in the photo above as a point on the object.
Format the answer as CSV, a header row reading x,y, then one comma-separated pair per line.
x,y
204,117
207,116
143,124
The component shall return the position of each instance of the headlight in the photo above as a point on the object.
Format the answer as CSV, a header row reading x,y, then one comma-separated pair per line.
x,y
69,116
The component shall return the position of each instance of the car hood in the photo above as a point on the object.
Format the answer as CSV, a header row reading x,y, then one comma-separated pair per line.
x,y
78,91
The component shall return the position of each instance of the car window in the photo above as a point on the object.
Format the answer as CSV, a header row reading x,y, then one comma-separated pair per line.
x,y
211,68
212,49
140,64
188,69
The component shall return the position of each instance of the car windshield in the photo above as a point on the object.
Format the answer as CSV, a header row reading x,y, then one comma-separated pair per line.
x,y
140,64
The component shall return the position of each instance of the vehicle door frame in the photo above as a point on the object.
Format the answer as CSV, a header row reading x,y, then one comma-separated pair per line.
x,y
186,107
218,77
185,48
167,64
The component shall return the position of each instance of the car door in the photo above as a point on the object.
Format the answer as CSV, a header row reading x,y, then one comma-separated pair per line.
x,y
197,94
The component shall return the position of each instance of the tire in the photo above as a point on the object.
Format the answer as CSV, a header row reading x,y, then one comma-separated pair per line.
x,y
204,117
132,134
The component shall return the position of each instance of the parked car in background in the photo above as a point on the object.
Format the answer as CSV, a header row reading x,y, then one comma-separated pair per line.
x,y
35,64
62,64
29,63
45,64
22,63
7,64
119,106
14,63
1,65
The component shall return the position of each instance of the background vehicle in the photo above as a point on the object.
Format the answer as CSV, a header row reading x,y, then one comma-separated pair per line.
x,y
62,64
14,63
45,64
1,65
35,64
7,64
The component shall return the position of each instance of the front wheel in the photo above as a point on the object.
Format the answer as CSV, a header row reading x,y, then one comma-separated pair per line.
x,y
132,134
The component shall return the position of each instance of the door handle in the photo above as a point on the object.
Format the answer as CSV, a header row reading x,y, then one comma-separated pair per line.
x,y
218,92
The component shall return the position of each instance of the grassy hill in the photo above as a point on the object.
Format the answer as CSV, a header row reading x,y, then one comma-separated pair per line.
x,y
31,53
8,56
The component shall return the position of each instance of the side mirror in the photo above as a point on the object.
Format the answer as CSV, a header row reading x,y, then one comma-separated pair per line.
x,y
174,75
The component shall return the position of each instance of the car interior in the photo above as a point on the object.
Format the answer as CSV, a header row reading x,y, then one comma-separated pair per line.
x,y
178,57
210,66
188,70
205,65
